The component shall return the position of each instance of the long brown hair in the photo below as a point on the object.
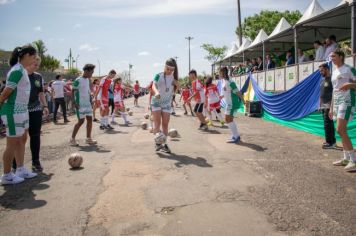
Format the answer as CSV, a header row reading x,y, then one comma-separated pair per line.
x,y
172,63
225,72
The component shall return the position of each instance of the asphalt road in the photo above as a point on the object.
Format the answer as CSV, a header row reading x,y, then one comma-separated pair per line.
x,y
277,181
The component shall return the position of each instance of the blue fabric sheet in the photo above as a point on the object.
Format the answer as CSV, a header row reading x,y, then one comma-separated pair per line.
x,y
293,104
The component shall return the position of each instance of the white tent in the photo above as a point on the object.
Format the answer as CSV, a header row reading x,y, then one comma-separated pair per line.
x,y
344,2
314,9
282,26
262,36
232,51
245,44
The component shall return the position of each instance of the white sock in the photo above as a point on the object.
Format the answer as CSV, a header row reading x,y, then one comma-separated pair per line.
x,y
102,121
112,117
233,128
352,156
106,120
346,155
220,116
124,117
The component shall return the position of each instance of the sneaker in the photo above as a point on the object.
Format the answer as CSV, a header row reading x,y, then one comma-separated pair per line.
x,y
173,113
158,147
10,178
328,146
233,140
351,166
102,127
166,149
185,113
341,162
24,173
73,142
66,121
109,127
205,128
90,141
113,122
37,167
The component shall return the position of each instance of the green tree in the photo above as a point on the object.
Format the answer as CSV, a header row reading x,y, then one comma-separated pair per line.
x,y
40,47
50,63
214,53
73,72
266,20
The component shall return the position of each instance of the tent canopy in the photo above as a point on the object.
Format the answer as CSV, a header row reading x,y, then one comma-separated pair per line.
x,y
282,25
314,9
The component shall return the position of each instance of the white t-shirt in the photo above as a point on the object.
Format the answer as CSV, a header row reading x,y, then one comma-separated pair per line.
x,y
341,76
58,87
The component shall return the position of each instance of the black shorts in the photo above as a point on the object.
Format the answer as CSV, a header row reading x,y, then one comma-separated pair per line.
x,y
111,102
136,95
199,108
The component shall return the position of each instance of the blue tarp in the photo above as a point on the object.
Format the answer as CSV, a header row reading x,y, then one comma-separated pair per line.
x,y
293,104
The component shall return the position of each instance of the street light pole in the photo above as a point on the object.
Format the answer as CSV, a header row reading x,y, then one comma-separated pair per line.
x,y
189,39
76,61
239,22
99,66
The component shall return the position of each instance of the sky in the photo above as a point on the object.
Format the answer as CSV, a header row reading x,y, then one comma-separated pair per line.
x,y
144,33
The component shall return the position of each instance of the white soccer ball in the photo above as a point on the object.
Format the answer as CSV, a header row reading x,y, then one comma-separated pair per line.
x,y
130,113
160,138
173,133
147,116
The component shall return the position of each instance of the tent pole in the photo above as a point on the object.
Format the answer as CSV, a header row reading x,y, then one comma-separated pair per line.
x,y
353,30
264,64
296,51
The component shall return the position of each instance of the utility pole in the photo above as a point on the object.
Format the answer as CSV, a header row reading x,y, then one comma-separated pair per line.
x,y
239,22
76,61
130,67
99,66
189,39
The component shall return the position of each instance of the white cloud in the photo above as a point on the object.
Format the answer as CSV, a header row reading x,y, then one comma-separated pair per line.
x,y
144,53
3,2
88,47
37,29
77,26
157,64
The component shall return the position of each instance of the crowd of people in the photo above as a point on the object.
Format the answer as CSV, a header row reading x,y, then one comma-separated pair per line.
x,y
24,103
321,52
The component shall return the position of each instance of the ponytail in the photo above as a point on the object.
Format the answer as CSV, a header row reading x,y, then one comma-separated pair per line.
x,y
172,63
225,72
20,52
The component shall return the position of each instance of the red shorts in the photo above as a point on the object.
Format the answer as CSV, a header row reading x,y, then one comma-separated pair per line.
x,y
214,106
119,104
104,103
186,100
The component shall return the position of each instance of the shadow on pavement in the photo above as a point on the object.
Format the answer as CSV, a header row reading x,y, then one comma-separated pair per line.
x,y
185,160
21,196
93,148
252,146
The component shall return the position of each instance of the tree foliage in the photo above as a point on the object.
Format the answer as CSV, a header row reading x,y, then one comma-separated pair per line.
x,y
73,71
49,63
214,53
266,20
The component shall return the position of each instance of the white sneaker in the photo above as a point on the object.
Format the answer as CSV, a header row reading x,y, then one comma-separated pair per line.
x,y
341,162
351,166
10,178
25,173
73,142
91,141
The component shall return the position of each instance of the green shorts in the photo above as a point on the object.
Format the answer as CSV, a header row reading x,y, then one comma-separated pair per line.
x,y
16,124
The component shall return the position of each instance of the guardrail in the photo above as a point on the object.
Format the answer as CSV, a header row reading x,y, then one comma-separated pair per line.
x,y
283,78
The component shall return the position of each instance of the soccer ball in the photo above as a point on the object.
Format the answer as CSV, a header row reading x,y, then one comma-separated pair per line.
x,y
75,160
160,138
147,116
173,133
130,113
127,109
144,125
